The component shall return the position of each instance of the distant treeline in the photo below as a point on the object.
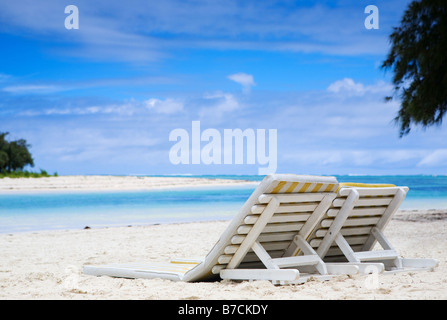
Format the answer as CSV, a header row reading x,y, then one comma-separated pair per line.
x,y
14,156
26,174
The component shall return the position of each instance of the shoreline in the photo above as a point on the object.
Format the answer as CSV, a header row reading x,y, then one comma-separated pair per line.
x,y
110,183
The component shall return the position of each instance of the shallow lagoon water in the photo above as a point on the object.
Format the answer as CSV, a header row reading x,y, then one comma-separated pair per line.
x,y
33,211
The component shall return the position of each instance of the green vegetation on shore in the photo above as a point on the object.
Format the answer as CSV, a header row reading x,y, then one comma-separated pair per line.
x,y
14,156
26,174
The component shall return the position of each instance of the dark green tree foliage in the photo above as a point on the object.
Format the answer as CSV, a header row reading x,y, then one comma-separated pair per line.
x,y
14,155
3,151
418,58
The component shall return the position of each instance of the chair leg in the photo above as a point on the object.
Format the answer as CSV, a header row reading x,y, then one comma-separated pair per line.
x,y
352,268
261,274
308,250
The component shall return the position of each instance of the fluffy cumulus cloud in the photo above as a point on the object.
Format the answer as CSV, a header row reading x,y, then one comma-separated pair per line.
x,y
245,80
350,87
346,85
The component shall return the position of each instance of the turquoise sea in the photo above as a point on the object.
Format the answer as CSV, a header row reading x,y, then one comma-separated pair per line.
x,y
25,212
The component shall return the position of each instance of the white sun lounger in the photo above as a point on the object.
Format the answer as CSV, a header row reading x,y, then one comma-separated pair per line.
x,y
266,240
356,222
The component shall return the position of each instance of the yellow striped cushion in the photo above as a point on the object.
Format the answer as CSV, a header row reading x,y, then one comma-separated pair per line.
x,y
300,187
364,185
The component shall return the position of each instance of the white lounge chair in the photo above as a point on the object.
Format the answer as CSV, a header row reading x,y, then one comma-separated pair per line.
x,y
355,223
266,240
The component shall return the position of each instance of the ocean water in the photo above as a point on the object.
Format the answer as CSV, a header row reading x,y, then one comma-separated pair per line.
x,y
74,210
426,191
25,212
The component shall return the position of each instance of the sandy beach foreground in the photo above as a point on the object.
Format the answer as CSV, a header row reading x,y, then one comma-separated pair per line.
x,y
48,264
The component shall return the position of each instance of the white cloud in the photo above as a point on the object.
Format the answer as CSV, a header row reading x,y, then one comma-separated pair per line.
x,y
435,158
127,108
120,31
349,158
224,103
346,85
88,144
168,106
245,80
33,89
350,87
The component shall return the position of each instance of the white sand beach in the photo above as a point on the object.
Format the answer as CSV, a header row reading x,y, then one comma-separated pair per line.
x,y
107,183
48,264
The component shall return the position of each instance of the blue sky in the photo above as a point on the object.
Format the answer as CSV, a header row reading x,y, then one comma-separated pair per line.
x,y
104,98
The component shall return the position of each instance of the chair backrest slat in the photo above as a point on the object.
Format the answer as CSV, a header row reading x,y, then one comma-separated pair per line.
x,y
274,226
373,208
